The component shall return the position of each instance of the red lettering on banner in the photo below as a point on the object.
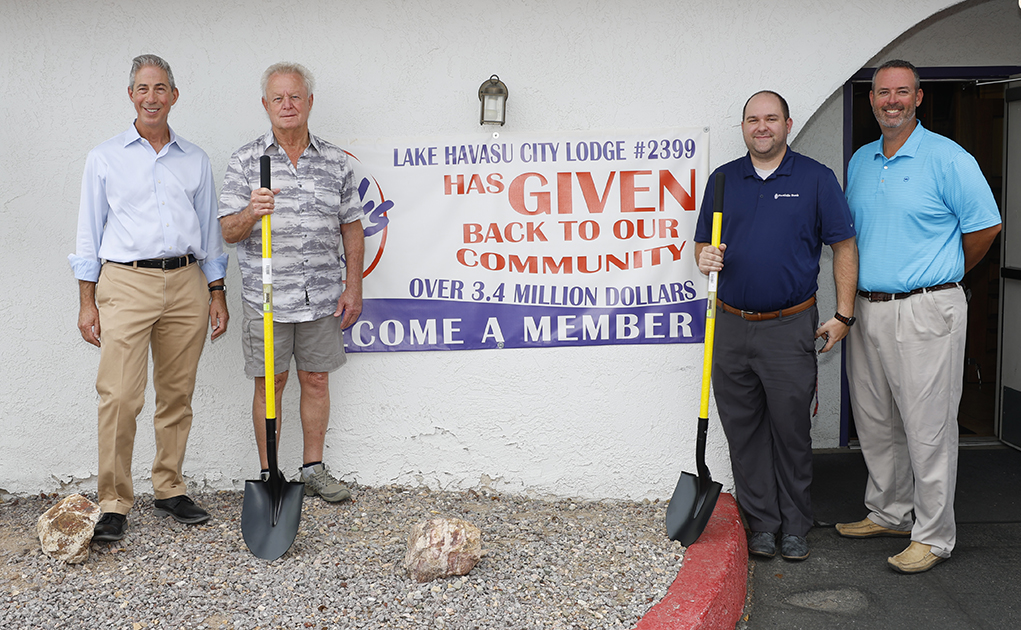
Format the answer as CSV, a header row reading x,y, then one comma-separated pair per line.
x,y
565,205
472,233
528,265
512,232
624,229
495,181
475,184
549,265
595,202
628,190
516,194
636,259
588,189
448,184
455,186
683,197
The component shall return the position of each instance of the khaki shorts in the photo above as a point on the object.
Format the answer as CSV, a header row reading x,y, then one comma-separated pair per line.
x,y
317,346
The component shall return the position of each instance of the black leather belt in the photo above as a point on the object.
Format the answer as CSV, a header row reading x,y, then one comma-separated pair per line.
x,y
879,296
166,264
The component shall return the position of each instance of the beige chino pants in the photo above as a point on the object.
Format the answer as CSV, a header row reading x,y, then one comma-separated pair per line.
x,y
906,370
139,309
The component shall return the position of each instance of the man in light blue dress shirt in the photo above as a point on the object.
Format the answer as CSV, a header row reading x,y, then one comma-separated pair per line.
x,y
150,265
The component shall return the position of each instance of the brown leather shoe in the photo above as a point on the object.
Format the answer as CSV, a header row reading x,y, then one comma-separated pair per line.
x,y
867,528
917,558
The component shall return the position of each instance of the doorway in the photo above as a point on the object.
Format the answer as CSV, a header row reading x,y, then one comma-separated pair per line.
x,y
958,103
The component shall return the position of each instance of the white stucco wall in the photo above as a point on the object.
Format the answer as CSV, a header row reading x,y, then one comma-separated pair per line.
x,y
973,33
588,422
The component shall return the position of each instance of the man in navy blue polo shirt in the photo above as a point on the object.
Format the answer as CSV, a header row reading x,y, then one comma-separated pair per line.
x,y
779,208
925,216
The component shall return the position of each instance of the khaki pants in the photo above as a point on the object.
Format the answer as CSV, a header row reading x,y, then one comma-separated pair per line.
x,y
139,309
905,365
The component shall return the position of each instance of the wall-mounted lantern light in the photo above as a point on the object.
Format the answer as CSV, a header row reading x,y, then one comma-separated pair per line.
x,y
493,95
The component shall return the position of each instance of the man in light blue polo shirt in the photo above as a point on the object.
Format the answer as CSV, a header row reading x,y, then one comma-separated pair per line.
x,y
925,216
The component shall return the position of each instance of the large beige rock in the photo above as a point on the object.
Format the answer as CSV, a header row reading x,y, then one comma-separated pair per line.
x,y
65,530
442,547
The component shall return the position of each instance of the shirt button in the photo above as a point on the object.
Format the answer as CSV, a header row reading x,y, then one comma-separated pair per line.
x,y
885,167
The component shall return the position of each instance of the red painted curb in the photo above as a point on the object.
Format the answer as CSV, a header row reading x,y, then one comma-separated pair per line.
x,y
709,591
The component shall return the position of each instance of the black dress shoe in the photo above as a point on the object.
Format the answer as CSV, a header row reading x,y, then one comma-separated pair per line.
x,y
182,509
793,547
110,527
762,544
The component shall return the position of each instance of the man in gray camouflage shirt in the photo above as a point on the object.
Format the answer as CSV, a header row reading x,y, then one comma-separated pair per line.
x,y
316,224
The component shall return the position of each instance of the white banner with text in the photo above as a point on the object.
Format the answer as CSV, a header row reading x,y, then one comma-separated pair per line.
x,y
500,240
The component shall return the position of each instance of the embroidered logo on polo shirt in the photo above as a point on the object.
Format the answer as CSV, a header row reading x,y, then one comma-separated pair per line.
x,y
778,195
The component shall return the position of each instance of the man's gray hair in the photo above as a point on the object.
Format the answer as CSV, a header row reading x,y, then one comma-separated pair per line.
x,y
897,63
141,61
286,67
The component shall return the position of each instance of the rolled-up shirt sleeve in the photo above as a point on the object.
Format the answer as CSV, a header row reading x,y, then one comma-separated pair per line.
x,y
214,266
93,210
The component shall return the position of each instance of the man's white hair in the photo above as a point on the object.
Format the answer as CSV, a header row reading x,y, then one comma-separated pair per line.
x,y
286,67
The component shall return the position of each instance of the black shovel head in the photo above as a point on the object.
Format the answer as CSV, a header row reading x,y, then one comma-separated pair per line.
x,y
690,507
270,515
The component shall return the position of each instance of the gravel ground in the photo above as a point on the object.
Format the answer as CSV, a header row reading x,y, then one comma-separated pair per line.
x,y
547,564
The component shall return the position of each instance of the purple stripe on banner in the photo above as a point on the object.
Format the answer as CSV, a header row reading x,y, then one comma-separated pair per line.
x,y
395,325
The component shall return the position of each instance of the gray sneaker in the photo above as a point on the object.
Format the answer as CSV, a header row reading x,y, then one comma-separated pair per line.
x,y
320,481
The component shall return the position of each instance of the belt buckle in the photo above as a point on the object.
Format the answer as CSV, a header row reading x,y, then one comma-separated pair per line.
x,y
745,313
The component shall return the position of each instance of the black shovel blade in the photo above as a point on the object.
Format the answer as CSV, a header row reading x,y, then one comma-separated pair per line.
x,y
690,507
270,516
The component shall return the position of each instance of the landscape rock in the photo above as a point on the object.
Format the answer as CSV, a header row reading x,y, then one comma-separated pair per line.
x,y
65,530
442,547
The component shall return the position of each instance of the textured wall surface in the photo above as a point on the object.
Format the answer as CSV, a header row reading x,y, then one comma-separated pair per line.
x,y
588,422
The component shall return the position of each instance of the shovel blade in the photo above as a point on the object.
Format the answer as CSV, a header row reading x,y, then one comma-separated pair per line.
x,y
690,508
269,523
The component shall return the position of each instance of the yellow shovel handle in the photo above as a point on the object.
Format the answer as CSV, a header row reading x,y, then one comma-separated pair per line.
x,y
267,317
710,323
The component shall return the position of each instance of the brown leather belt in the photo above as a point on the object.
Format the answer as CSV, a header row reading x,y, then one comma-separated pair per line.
x,y
879,296
754,316
167,264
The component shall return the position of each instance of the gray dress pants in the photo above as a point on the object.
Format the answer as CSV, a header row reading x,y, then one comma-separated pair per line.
x,y
764,380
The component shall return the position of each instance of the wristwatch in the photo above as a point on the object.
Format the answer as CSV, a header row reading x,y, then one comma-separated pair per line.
x,y
220,287
847,321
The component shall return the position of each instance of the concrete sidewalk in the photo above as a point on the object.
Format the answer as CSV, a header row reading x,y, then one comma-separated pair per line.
x,y
847,583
